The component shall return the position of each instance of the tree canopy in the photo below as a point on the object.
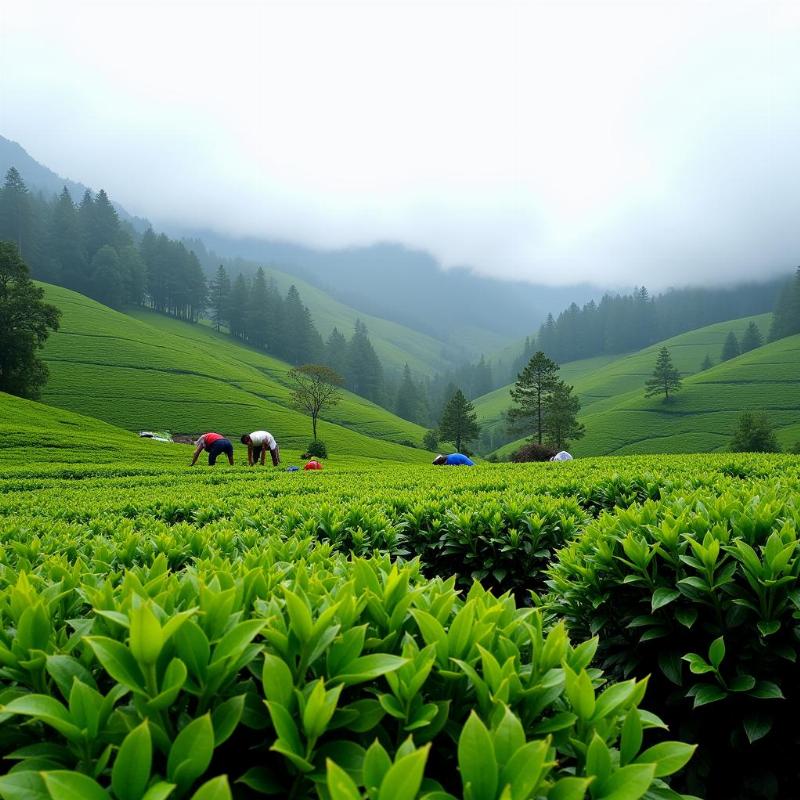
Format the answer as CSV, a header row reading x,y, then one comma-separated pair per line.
x,y
666,377
754,434
315,388
459,422
530,393
25,324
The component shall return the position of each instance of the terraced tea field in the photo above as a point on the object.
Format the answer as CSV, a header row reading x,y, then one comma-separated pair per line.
x,y
236,632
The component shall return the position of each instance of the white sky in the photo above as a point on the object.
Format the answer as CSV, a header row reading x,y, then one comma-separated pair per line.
x,y
617,142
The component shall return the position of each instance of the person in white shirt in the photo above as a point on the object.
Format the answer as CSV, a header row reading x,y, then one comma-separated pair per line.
x,y
562,456
258,442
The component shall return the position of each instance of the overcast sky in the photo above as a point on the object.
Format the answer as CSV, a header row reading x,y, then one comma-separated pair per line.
x,y
625,142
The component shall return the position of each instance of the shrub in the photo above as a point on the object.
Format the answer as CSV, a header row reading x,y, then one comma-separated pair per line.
x,y
306,677
701,592
754,434
532,451
430,441
317,449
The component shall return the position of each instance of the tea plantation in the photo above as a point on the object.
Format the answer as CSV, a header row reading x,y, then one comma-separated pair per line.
x,y
610,629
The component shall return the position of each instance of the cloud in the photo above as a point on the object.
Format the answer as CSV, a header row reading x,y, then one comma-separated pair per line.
x,y
616,142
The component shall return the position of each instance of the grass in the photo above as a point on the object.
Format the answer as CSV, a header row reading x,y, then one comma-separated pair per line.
x,y
600,382
703,415
156,373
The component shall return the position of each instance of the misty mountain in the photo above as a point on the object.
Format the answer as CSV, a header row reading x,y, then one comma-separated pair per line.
x,y
39,178
410,287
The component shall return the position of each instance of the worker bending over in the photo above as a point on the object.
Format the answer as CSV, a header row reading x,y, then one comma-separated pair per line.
x,y
453,460
215,444
258,442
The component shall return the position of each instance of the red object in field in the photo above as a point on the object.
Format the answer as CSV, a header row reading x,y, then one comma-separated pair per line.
x,y
313,465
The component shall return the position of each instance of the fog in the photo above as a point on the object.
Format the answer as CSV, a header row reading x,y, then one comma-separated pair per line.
x,y
618,143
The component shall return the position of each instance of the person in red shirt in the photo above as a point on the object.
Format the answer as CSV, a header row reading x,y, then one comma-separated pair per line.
x,y
313,465
216,445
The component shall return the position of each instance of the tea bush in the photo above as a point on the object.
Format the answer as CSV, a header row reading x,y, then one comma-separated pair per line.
x,y
702,592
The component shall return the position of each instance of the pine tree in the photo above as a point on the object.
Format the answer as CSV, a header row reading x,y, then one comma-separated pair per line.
x,y
107,281
561,417
730,349
220,297
65,253
104,226
459,422
533,387
364,370
481,378
666,377
409,400
134,275
336,352
257,311
240,295
786,318
16,214
707,363
751,338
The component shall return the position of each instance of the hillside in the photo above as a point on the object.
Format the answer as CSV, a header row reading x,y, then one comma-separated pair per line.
x,y
32,432
604,379
703,415
186,378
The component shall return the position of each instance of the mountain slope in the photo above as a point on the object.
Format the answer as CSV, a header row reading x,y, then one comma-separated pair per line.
x,y
703,415
603,379
34,432
187,379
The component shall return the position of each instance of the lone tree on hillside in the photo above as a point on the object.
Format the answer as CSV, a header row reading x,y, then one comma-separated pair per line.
x,y
459,423
531,392
751,338
315,388
25,324
730,349
707,363
665,378
754,434
561,417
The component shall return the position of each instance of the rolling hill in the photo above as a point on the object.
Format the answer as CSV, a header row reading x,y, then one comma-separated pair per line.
x,y
702,417
604,379
158,373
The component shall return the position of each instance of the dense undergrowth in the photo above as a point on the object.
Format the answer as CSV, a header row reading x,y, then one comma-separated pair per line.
x,y
169,632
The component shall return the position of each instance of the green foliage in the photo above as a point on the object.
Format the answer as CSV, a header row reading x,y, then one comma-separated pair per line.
x,y
459,421
754,434
665,378
317,449
157,646
701,591
561,417
751,339
430,441
25,324
786,319
731,348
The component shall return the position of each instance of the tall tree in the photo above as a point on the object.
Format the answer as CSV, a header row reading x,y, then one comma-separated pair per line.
x,y
751,338
107,281
134,274
257,311
534,386
102,225
336,352
240,294
16,214
25,324
730,348
364,370
707,363
314,388
409,398
666,377
65,253
459,422
786,317
219,297
561,417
